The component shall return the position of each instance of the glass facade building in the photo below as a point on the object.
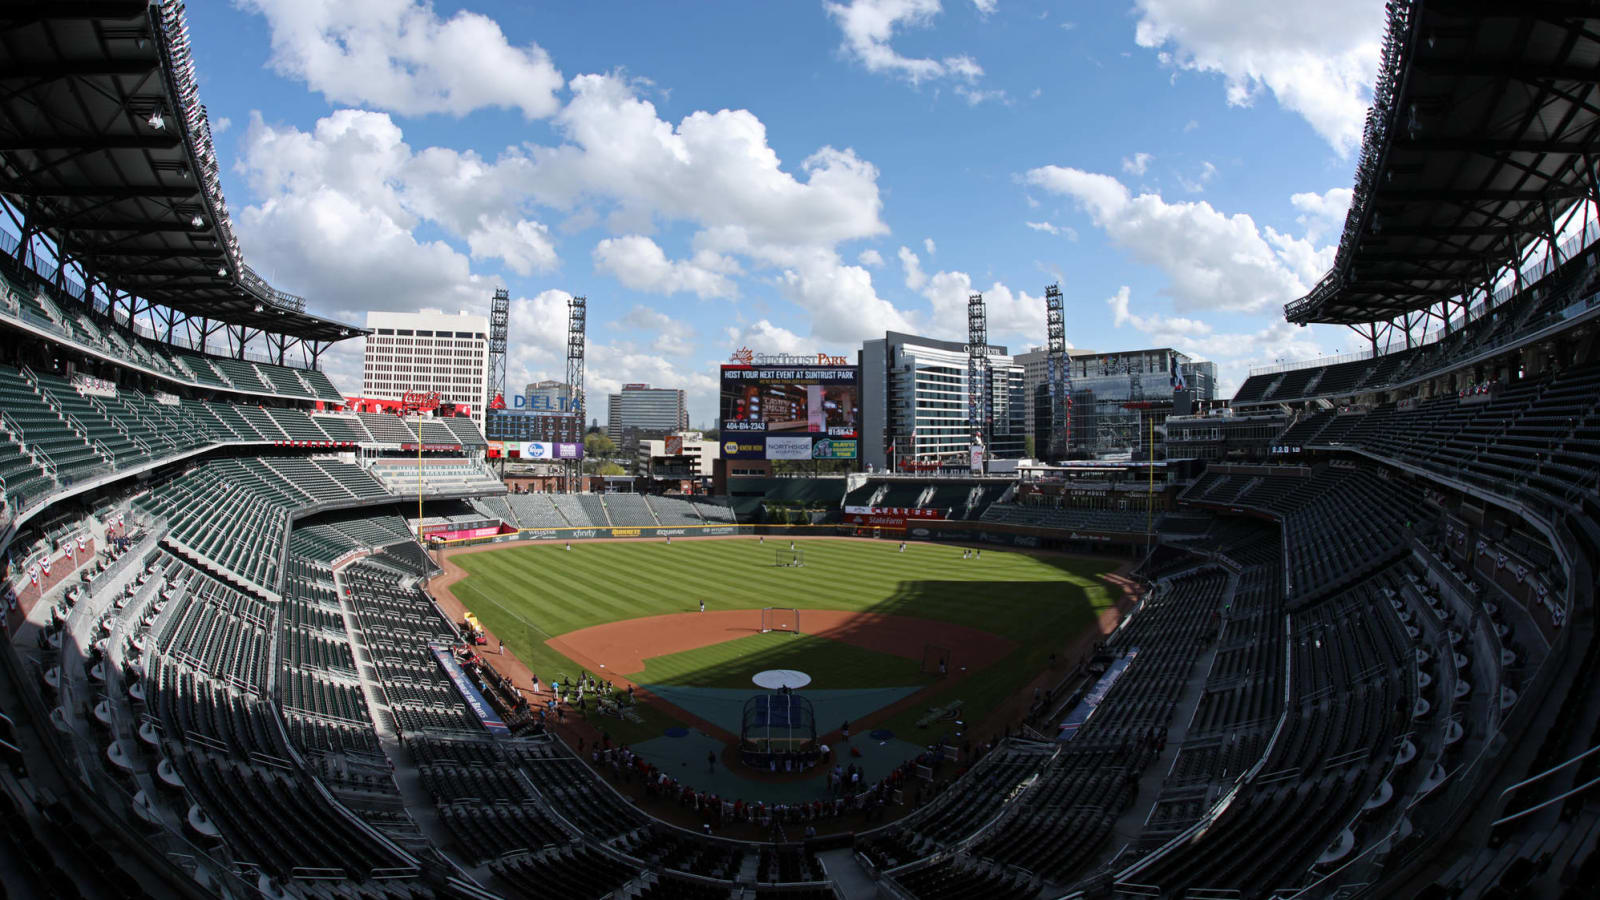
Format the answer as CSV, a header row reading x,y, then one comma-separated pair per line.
x,y
1117,396
914,402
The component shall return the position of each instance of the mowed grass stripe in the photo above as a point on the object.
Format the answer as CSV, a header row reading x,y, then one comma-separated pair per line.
x,y
832,665
539,590
597,583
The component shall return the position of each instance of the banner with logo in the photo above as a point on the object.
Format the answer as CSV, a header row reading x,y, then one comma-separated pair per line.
x,y
745,447
904,512
550,450
779,447
834,448
469,692
674,445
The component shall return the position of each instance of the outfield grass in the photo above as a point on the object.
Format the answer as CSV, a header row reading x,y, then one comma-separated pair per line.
x,y
529,593
831,664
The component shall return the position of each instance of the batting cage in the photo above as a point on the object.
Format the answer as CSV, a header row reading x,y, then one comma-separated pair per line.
x,y
789,559
779,732
780,618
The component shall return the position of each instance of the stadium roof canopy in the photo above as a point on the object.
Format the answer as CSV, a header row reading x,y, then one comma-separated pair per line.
x,y
1480,137
106,151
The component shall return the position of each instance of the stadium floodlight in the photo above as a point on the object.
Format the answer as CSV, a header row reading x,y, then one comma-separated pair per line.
x,y
197,222
156,121
222,271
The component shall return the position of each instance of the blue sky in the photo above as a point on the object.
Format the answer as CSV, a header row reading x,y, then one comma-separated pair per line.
x,y
798,176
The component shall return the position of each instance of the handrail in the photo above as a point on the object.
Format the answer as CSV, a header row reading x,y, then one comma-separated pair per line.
x,y
116,423
1556,799
1550,771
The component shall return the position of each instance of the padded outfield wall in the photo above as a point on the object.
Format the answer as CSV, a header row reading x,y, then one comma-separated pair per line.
x,y
963,532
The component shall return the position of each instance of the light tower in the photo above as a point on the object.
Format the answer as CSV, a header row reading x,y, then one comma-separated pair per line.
x,y
577,317
499,326
1059,374
978,374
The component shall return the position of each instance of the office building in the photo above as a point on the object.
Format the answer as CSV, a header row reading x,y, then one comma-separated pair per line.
x,y
1118,397
914,403
646,411
684,456
1035,372
428,351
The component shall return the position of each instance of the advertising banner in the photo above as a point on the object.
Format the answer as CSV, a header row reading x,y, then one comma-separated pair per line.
x,y
877,520
469,692
788,447
550,450
904,512
834,448
674,445
745,447
461,534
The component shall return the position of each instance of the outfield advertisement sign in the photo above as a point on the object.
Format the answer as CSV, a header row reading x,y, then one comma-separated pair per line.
x,y
904,512
835,448
577,534
789,447
549,450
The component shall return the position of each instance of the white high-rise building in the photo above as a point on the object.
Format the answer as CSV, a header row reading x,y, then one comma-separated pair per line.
x,y
428,351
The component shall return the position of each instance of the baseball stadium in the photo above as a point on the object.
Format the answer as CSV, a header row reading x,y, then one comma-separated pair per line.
x,y
1332,637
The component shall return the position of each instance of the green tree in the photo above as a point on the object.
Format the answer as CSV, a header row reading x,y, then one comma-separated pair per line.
x,y
597,444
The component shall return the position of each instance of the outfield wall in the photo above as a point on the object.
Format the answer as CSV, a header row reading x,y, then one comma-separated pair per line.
x,y
955,531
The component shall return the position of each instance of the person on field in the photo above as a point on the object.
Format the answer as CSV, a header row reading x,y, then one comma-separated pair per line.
x,y
702,604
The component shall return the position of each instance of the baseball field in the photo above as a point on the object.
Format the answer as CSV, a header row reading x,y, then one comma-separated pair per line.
x,y
873,622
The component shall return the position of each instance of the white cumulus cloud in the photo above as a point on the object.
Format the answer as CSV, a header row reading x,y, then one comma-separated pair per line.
x,y
1318,59
869,25
1215,261
401,56
915,277
639,263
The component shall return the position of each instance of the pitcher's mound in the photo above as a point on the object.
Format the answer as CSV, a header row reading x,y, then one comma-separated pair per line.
x,y
777,679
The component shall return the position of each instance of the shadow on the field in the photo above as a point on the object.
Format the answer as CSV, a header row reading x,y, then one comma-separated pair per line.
x,y
996,634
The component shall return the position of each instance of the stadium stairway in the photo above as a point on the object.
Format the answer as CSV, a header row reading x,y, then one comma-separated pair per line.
x,y
849,879
1131,824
